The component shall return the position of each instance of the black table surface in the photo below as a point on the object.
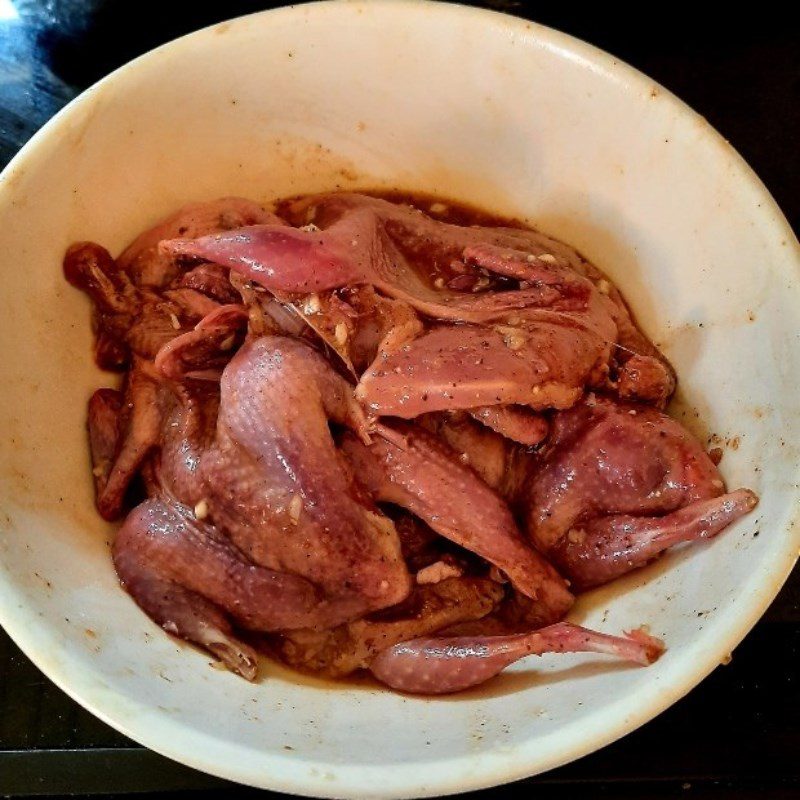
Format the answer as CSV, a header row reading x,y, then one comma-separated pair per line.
x,y
737,734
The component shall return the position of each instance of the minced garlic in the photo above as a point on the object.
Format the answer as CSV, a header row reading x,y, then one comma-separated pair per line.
x,y
312,305
438,572
201,509
513,338
295,508
340,333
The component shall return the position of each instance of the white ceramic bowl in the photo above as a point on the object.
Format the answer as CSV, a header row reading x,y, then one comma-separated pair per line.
x,y
480,107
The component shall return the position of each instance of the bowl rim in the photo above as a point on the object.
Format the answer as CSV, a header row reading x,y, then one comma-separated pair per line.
x,y
182,743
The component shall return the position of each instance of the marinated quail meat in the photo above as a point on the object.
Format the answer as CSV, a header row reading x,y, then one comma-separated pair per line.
x,y
451,664
275,482
544,366
513,422
347,648
358,437
411,468
122,433
500,462
147,265
619,484
201,352
191,579
537,344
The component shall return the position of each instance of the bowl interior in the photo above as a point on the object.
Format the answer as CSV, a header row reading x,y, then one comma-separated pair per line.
x,y
481,108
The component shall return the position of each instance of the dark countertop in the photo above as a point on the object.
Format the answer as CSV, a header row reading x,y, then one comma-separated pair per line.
x,y
737,734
